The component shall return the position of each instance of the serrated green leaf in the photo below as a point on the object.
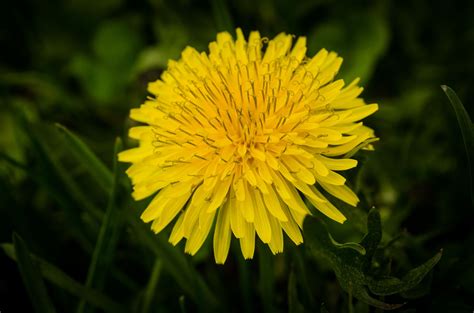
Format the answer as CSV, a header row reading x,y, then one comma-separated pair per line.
x,y
364,296
348,245
373,237
103,255
385,286
83,154
31,278
353,270
420,290
348,264
467,131
62,280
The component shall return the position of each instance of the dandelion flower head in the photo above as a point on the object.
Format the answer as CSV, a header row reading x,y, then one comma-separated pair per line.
x,y
239,136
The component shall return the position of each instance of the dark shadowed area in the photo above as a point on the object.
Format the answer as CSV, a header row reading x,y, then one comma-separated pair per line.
x,y
71,70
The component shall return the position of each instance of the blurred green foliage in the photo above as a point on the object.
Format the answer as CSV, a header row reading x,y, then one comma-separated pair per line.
x,y
84,64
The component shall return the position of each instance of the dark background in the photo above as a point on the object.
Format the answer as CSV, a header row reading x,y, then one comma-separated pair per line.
x,y
85,63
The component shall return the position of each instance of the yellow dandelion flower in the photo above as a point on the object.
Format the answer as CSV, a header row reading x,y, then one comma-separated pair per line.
x,y
238,135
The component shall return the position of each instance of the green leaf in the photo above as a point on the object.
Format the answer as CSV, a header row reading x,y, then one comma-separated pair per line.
x,y
385,286
467,131
373,237
62,280
348,245
32,278
103,255
346,263
352,269
96,168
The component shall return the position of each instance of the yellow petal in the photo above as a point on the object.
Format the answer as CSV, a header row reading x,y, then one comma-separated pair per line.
x,y
222,235
291,228
361,112
327,208
332,178
337,164
342,192
199,233
193,210
276,242
177,233
135,154
247,207
169,212
261,221
239,190
273,204
237,221
247,243
220,193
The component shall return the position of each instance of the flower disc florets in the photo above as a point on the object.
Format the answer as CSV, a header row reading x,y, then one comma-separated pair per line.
x,y
239,135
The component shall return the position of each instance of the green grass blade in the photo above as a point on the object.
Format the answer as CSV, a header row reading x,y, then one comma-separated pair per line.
x,y
103,255
176,264
467,131
84,155
57,277
76,227
31,278
51,175
53,168
150,289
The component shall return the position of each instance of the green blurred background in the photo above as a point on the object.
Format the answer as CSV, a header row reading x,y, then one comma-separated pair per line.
x,y
85,63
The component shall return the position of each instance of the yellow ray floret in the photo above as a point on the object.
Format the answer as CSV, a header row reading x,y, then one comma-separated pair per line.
x,y
235,137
